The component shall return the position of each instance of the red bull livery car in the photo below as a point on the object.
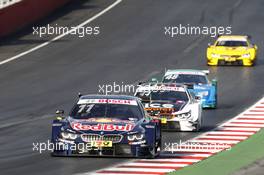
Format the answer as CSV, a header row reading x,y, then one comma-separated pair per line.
x,y
101,125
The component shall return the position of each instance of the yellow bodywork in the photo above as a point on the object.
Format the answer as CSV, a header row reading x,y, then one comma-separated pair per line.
x,y
232,55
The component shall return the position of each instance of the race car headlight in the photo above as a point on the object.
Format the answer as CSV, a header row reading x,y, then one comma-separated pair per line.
x,y
134,137
186,115
246,55
69,136
215,55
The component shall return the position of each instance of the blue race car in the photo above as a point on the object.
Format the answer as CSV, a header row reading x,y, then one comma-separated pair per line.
x,y
103,125
197,83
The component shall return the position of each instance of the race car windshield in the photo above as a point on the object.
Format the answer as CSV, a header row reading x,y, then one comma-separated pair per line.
x,y
186,79
116,111
232,43
171,96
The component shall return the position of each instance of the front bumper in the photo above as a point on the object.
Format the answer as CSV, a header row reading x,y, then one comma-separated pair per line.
x,y
209,104
116,150
183,125
230,61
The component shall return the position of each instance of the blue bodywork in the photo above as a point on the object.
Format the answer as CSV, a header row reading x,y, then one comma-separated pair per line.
x,y
197,83
208,94
102,130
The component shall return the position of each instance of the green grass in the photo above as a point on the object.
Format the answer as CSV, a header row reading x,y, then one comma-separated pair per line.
x,y
227,162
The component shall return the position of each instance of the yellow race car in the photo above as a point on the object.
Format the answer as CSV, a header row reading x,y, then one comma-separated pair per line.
x,y
232,50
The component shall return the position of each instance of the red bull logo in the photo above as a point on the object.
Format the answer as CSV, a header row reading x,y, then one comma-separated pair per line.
x,y
101,127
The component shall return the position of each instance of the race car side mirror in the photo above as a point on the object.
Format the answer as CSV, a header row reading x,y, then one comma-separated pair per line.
x,y
214,82
60,112
154,80
197,98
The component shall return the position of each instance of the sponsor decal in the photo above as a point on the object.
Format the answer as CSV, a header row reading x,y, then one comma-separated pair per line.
x,y
160,109
158,105
168,88
159,87
176,74
101,127
137,143
109,101
56,124
105,120
101,144
180,101
150,126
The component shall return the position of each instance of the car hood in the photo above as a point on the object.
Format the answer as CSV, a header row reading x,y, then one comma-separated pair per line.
x,y
102,125
230,50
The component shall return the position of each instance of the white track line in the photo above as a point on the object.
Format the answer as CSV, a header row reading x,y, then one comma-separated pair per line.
x,y
202,149
245,124
169,160
62,35
139,169
114,174
253,113
191,154
224,137
239,129
248,121
156,164
256,111
250,117
230,133
215,141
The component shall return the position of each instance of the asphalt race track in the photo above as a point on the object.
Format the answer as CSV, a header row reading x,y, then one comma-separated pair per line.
x,y
131,47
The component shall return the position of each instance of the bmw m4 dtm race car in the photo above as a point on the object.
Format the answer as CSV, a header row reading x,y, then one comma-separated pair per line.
x,y
197,82
101,125
173,104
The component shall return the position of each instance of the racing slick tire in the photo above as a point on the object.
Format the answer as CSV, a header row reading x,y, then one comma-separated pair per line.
x,y
199,125
155,151
216,102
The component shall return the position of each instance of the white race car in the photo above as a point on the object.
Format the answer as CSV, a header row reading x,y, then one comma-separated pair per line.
x,y
173,104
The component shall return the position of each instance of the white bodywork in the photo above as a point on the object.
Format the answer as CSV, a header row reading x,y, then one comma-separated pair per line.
x,y
189,117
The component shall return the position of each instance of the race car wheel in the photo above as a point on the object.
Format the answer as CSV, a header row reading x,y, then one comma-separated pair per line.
x,y
155,151
199,125
216,101
253,63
